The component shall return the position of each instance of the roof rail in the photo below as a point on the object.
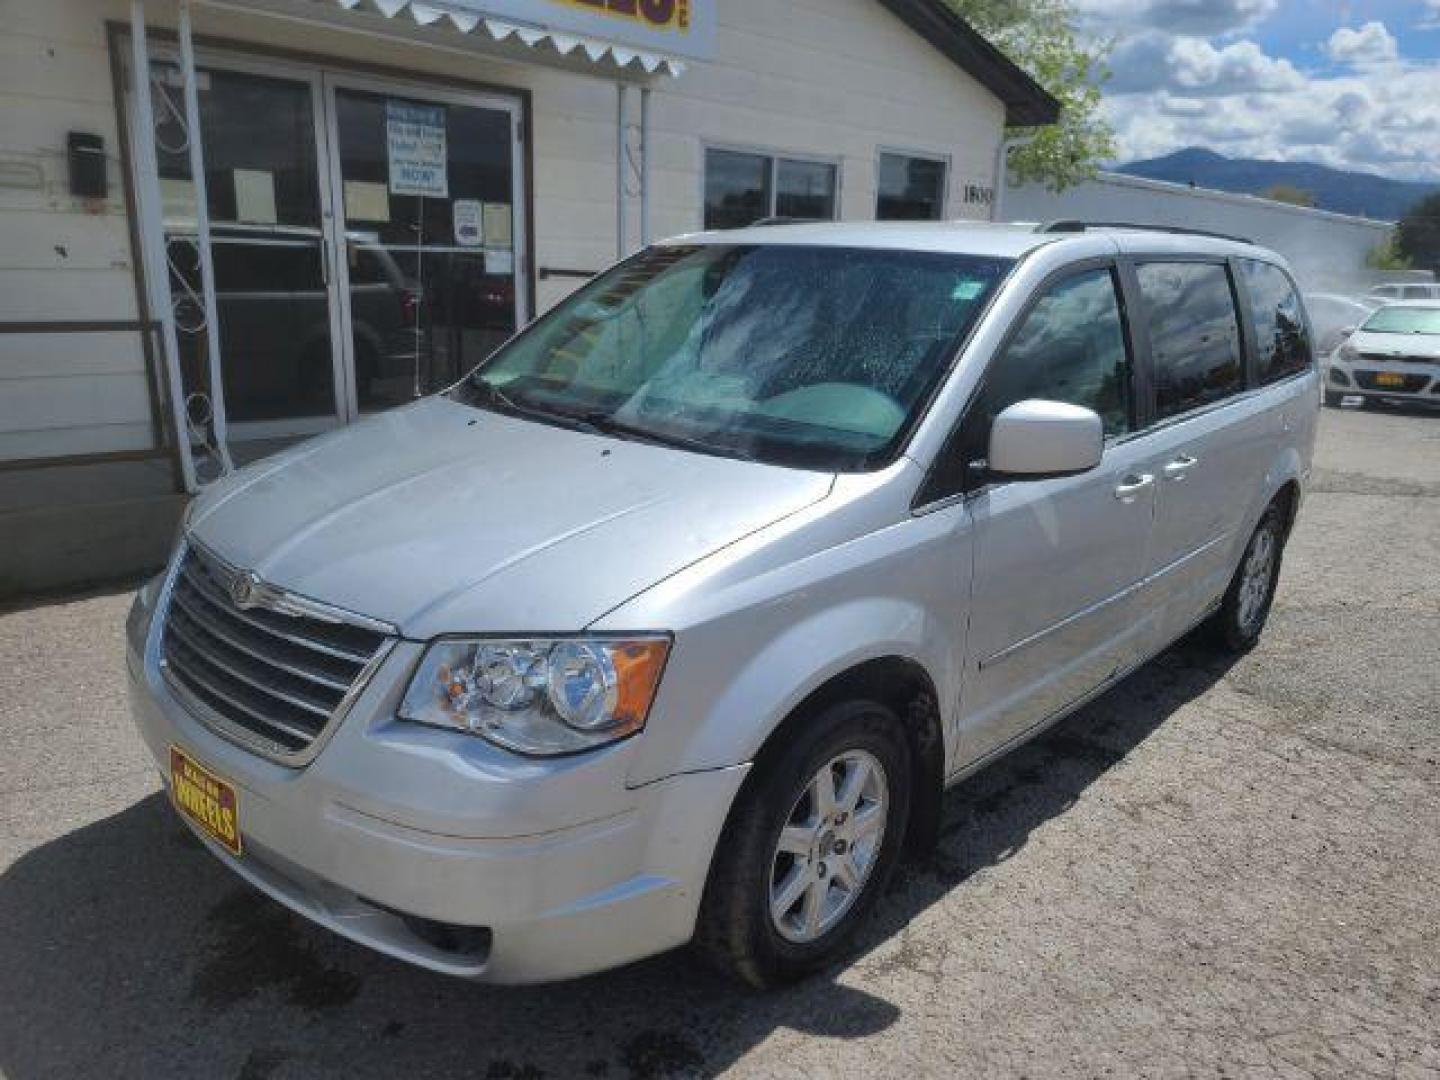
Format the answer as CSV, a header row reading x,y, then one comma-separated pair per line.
x,y
1068,225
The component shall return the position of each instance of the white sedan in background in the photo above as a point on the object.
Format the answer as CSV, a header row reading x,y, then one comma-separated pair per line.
x,y
1393,356
1334,317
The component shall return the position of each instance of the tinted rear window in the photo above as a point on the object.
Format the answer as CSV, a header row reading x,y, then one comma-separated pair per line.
x,y
1189,312
1282,342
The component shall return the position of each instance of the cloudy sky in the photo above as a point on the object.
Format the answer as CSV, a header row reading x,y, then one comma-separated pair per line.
x,y
1354,84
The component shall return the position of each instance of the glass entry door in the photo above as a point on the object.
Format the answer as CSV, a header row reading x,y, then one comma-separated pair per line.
x,y
366,237
427,193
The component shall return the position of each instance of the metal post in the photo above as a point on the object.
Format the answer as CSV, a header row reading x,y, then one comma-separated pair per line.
x,y
152,236
1002,171
202,237
621,229
645,166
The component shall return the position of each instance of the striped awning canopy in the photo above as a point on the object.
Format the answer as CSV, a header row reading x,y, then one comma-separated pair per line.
x,y
432,19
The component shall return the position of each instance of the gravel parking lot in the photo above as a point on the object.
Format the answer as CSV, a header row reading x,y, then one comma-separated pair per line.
x,y
1215,869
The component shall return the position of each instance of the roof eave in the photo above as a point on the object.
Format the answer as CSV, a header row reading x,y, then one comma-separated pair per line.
x,y
1027,103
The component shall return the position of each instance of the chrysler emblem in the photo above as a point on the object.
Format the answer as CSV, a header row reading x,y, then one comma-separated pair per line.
x,y
245,588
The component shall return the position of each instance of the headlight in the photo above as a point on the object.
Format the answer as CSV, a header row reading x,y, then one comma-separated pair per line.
x,y
538,695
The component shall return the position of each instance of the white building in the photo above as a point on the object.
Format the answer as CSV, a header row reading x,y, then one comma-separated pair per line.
x,y
390,188
1326,249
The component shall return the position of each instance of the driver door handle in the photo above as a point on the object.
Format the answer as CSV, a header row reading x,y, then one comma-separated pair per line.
x,y
1127,490
1177,468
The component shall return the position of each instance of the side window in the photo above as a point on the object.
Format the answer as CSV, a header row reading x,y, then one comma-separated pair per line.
x,y
1071,348
1194,334
1282,343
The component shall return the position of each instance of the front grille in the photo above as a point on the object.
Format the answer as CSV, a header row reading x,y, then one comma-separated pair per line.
x,y
1412,384
273,678
1377,358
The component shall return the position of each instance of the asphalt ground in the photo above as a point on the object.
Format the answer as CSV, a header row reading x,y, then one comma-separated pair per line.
x,y
1217,869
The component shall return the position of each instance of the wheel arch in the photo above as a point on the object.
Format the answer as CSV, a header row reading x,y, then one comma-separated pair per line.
x,y
903,685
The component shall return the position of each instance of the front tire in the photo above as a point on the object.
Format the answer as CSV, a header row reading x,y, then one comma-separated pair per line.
x,y
808,847
1237,626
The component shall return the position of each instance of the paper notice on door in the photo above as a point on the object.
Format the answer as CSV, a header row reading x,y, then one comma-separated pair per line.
x,y
469,223
415,148
498,232
366,201
255,196
500,262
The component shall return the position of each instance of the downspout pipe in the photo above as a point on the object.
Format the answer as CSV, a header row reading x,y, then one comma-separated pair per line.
x,y
645,166
1002,163
621,224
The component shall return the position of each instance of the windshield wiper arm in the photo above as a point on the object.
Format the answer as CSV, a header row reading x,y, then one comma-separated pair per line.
x,y
608,424
534,412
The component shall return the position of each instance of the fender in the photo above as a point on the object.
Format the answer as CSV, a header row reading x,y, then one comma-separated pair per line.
x,y
747,655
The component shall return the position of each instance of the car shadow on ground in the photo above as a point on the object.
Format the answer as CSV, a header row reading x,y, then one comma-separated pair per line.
x,y
126,951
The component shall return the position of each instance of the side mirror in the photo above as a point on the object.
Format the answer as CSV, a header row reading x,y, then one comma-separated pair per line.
x,y
1041,439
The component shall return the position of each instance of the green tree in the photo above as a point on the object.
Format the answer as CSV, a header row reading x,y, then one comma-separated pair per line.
x,y
1385,257
1041,36
1417,234
1288,193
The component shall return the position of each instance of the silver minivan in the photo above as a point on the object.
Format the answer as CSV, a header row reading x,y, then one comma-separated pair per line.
x,y
674,619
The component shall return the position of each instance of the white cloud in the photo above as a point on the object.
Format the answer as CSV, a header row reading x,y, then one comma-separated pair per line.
x,y
1430,17
1193,17
1372,43
1384,119
1192,66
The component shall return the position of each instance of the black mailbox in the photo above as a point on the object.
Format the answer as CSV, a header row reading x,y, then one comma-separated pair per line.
x,y
87,165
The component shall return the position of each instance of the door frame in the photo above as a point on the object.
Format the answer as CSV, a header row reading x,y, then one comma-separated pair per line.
x,y
323,76
340,78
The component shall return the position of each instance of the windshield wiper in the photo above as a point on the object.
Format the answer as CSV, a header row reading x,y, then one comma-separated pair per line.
x,y
607,424
507,403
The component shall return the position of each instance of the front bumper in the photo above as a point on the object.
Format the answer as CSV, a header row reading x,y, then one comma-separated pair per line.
x,y
441,850
1420,382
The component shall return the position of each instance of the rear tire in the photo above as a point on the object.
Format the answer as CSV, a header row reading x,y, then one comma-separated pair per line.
x,y
1237,626
795,873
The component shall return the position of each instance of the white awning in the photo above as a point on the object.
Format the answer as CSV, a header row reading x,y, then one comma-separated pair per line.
x,y
459,18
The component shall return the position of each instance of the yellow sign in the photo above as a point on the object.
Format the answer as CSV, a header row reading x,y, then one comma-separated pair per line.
x,y
656,14
205,799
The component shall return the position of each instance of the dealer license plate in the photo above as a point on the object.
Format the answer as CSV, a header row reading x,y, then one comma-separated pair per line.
x,y
206,799
1389,378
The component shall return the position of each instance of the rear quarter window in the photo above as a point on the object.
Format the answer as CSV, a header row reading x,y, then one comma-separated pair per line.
x,y
1189,316
1282,342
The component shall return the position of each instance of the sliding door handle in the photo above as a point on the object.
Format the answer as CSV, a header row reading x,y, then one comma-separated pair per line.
x,y
1177,469
1127,490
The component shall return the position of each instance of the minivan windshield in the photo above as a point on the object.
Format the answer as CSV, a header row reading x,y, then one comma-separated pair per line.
x,y
1403,320
811,356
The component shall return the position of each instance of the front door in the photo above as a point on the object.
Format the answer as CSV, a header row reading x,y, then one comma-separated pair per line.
x,y
1058,562
429,234
367,237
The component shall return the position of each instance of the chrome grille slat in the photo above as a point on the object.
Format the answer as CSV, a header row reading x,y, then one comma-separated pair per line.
x,y
213,627
189,674
274,674
210,592
252,673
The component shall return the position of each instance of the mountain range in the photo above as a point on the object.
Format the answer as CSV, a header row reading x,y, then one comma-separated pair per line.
x,y
1344,191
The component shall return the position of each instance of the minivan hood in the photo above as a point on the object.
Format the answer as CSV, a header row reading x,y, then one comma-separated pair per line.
x,y
441,518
